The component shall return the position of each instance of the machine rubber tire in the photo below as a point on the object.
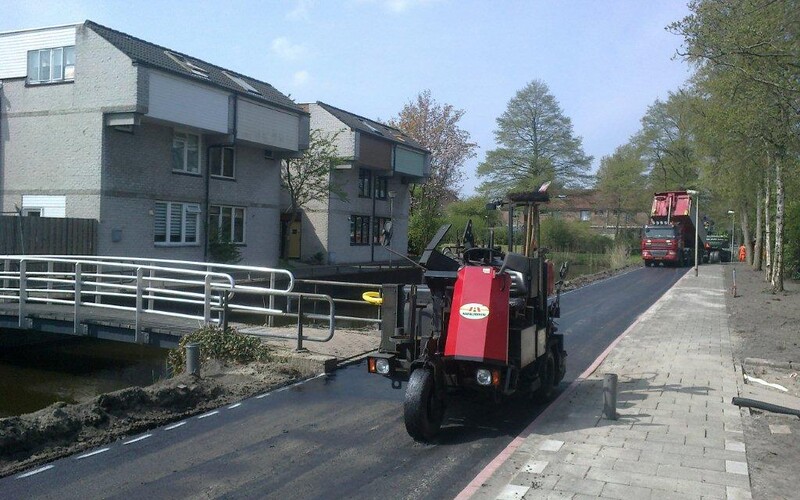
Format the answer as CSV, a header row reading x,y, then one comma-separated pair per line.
x,y
547,378
559,361
423,411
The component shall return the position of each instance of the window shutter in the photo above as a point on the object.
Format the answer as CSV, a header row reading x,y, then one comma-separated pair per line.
x,y
160,223
192,216
175,221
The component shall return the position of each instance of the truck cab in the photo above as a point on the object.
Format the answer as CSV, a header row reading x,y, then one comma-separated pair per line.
x,y
663,243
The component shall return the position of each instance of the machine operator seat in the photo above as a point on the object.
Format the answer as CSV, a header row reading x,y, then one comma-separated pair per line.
x,y
519,268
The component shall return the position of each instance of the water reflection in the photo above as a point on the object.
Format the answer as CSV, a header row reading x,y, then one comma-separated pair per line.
x,y
39,369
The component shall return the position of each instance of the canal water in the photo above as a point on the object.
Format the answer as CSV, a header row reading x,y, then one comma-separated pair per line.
x,y
38,369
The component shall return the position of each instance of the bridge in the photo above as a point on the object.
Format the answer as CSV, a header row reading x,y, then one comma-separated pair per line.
x,y
158,301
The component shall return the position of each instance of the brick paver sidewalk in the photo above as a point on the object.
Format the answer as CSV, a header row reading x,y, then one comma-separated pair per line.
x,y
677,435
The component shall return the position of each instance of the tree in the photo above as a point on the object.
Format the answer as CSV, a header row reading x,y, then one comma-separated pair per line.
x,y
308,178
622,183
754,44
667,143
536,144
436,127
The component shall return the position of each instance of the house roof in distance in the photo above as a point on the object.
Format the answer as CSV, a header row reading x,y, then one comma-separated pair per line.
x,y
372,127
172,61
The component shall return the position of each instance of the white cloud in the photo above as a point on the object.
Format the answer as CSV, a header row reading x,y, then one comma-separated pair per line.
x,y
300,78
400,6
285,49
396,6
301,10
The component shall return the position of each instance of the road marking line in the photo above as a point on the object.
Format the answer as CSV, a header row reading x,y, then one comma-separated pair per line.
x,y
208,414
93,453
137,439
231,407
174,426
260,396
35,471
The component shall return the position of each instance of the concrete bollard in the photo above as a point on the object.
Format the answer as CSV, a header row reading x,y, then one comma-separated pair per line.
x,y
193,359
610,396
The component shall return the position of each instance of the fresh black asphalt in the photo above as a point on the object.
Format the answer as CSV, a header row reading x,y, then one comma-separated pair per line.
x,y
336,436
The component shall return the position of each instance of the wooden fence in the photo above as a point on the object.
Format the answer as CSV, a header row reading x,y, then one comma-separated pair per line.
x,y
47,236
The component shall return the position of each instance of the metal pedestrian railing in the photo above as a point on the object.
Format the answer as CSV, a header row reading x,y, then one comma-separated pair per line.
x,y
209,293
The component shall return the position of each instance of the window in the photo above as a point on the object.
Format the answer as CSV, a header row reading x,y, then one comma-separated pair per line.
x,y
242,83
586,215
187,64
364,183
377,230
186,152
359,230
229,222
176,223
381,187
222,162
51,65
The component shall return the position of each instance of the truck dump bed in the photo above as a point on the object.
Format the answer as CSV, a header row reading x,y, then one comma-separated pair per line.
x,y
676,207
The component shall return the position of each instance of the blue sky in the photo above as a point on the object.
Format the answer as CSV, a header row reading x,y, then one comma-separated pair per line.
x,y
604,61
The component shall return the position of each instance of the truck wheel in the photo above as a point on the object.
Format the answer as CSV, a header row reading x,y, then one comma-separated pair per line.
x,y
423,411
547,378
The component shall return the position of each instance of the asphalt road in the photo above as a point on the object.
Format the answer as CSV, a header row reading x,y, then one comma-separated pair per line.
x,y
335,436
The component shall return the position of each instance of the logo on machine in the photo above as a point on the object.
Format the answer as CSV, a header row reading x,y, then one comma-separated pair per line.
x,y
473,311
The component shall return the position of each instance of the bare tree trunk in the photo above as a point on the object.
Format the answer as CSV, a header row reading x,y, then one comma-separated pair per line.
x,y
759,235
777,267
747,242
767,226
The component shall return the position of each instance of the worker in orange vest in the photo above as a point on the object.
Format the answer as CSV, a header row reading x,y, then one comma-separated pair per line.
x,y
742,253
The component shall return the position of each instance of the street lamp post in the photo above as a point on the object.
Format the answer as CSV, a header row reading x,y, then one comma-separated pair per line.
x,y
731,213
696,195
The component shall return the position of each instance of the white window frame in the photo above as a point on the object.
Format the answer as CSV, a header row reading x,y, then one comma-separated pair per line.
x,y
66,72
218,221
221,152
242,83
187,210
188,65
585,215
184,168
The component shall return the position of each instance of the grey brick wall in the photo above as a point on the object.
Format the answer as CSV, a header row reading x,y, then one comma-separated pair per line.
x,y
52,134
54,142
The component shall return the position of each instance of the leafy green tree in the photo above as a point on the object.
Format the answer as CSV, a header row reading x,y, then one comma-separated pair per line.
x,y
536,144
309,178
753,46
622,182
667,143
459,213
436,127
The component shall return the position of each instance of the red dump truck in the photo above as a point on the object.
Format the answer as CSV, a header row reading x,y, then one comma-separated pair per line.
x,y
670,235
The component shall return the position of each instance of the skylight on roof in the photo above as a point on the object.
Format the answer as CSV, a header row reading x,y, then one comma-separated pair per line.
x,y
371,127
242,83
187,64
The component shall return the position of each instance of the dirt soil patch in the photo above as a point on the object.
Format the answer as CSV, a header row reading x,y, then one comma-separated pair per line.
x,y
767,326
61,429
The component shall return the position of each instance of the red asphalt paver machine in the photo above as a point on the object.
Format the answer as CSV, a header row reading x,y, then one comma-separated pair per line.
x,y
480,322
